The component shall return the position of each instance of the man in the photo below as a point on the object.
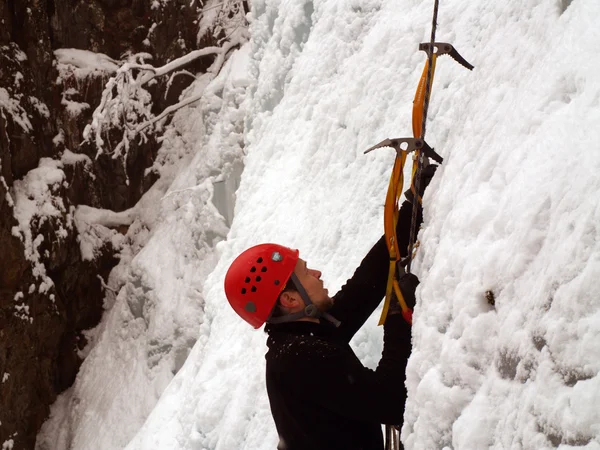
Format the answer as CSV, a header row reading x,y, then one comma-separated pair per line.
x,y
321,395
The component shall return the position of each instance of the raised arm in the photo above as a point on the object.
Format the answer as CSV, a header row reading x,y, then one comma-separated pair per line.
x,y
362,293
338,382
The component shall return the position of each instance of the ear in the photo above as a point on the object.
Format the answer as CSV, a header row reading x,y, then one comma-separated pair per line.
x,y
290,300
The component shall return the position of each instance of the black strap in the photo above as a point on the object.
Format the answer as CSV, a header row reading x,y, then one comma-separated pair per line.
x,y
310,309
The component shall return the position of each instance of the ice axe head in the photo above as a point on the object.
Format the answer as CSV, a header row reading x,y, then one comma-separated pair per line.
x,y
443,48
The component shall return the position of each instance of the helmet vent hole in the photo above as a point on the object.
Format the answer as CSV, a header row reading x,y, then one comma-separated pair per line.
x,y
258,278
264,269
253,269
276,282
259,260
247,280
243,291
253,289
250,307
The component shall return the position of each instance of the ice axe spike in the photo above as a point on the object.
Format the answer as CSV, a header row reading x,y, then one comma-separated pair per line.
x,y
412,144
443,48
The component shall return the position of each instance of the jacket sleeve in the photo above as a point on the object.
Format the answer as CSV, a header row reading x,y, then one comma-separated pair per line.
x,y
340,383
362,293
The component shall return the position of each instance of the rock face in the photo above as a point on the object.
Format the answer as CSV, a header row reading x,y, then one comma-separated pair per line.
x,y
48,294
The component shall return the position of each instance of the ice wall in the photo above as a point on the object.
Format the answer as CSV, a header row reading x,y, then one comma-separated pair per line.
x,y
512,210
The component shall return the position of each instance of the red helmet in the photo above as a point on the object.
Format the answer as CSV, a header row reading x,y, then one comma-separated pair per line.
x,y
256,278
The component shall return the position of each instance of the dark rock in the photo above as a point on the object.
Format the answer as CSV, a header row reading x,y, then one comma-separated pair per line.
x,y
41,330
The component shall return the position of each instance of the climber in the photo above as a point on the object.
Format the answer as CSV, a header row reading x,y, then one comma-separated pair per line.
x,y
321,395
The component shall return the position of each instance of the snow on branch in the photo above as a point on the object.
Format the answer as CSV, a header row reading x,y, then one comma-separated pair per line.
x,y
126,104
96,228
221,18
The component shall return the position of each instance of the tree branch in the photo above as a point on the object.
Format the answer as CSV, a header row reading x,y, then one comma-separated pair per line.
x,y
179,62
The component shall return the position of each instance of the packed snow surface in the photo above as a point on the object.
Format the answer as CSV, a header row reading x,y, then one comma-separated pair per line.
x,y
35,202
513,210
84,62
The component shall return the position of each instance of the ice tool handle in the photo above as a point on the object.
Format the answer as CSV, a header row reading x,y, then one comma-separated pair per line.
x,y
443,48
410,145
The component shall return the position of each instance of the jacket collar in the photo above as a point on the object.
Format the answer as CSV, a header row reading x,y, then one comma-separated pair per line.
x,y
324,328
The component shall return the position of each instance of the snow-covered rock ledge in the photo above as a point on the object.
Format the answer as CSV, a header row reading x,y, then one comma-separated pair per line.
x,y
155,296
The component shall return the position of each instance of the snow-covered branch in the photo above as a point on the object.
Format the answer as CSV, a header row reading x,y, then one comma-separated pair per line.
x,y
179,62
105,217
126,103
97,227
170,110
209,76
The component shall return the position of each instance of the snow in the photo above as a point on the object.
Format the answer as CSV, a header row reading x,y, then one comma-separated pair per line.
x,y
37,200
22,312
20,55
210,14
94,229
146,41
12,106
68,157
75,67
513,210
18,79
105,217
7,197
155,297
83,63
40,107
240,61
73,108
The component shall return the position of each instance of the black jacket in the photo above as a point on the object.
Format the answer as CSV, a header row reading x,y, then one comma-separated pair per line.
x,y
321,395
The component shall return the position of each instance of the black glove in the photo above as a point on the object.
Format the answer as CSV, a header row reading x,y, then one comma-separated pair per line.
x,y
408,285
427,174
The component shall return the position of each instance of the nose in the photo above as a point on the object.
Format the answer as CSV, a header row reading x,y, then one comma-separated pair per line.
x,y
316,273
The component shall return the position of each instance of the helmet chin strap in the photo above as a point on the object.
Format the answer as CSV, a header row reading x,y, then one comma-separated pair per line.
x,y
310,309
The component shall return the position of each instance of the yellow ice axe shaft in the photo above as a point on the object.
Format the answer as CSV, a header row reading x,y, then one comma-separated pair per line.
x,y
390,216
404,146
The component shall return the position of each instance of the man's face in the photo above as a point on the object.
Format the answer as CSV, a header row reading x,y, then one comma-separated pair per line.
x,y
312,283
